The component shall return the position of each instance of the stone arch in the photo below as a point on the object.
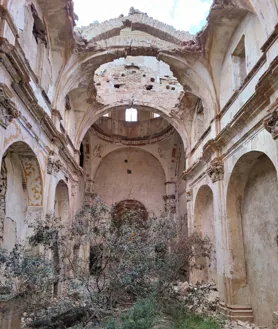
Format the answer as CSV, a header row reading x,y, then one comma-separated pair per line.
x,y
90,117
204,224
61,206
130,205
251,208
21,193
191,72
131,174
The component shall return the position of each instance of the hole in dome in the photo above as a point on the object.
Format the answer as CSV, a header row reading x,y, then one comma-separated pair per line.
x,y
152,79
126,161
131,115
144,75
123,75
167,87
117,86
149,87
129,171
173,88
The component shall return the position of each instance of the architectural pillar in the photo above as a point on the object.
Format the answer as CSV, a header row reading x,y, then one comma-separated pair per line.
x,y
170,198
225,281
271,125
190,216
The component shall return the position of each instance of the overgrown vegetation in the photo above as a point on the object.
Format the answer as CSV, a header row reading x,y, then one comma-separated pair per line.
x,y
102,271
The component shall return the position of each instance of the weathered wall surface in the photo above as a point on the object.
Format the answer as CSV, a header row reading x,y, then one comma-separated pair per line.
x,y
131,174
260,227
218,90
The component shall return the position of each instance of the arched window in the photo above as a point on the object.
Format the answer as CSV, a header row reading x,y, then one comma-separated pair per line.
x,y
156,115
81,157
131,115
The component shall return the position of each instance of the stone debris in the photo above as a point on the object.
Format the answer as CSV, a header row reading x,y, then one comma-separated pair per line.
x,y
204,299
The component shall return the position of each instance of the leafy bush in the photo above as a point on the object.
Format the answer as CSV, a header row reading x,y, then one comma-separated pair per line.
x,y
139,259
142,315
195,321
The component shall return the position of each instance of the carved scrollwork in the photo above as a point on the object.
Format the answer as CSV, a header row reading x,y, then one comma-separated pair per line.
x,y
170,203
54,165
271,124
216,170
8,110
189,194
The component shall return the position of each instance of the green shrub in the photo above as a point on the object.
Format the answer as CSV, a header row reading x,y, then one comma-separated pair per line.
x,y
141,316
195,321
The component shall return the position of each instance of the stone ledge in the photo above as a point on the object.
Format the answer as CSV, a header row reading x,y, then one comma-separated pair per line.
x,y
237,312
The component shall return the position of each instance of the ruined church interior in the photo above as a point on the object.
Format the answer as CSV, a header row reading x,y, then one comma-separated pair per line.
x,y
133,111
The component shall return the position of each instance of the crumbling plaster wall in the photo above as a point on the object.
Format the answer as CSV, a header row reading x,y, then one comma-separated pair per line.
x,y
251,29
141,178
205,224
132,79
168,152
194,71
260,231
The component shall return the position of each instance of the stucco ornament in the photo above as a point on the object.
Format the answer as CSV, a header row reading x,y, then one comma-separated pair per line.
x,y
216,170
271,124
33,180
8,109
98,150
170,203
54,165
189,194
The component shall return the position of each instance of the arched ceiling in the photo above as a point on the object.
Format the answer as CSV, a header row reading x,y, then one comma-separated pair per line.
x,y
195,61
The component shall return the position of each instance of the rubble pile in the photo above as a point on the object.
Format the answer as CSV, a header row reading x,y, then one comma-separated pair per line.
x,y
204,299
199,298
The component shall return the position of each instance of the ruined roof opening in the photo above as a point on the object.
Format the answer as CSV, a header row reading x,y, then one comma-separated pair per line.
x,y
132,126
182,15
135,78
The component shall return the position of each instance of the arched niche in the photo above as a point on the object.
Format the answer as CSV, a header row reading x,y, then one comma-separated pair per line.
x,y
204,224
122,208
252,206
131,174
61,207
21,193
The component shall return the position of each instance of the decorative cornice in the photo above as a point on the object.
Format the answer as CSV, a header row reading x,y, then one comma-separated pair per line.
x,y
271,124
4,14
8,110
143,141
191,171
216,170
248,78
209,149
69,159
19,69
271,39
57,114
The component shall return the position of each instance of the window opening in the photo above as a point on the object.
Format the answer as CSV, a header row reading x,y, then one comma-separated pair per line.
x,y
39,30
239,64
131,115
81,157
